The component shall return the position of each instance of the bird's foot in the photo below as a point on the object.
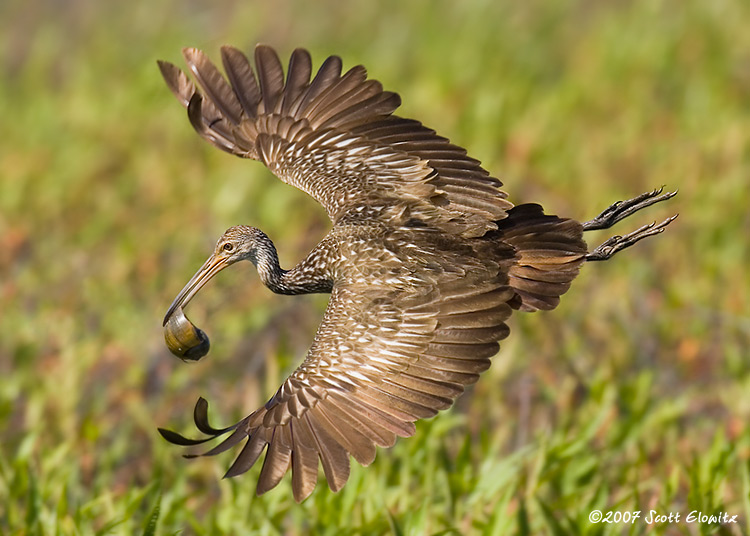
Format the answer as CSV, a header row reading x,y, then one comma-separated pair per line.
x,y
622,209
618,243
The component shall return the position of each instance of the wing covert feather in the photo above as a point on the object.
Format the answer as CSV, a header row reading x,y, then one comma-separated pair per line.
x,y
334,136
382,358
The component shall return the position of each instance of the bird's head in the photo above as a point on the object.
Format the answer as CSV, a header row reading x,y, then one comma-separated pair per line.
x,y
238,243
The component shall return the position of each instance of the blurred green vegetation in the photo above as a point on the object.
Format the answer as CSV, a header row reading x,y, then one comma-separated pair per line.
x,y
633,395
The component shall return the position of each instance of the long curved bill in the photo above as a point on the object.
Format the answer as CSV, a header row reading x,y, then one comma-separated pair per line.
x,y
210,268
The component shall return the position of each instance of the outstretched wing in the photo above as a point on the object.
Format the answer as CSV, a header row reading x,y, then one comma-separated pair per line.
x,y
384,356
334,136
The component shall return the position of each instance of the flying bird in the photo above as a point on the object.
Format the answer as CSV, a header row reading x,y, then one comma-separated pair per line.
x,y
425,261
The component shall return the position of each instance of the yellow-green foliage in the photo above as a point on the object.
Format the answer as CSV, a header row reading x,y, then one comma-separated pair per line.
x,y
633,395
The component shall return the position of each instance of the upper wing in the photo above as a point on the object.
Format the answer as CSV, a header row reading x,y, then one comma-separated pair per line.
x,y
333,137
383,357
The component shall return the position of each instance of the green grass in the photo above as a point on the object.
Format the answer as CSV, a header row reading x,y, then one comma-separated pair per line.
x,y
633,395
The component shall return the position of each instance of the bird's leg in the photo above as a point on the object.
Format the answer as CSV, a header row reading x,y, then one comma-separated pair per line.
x,y
620,210
618,243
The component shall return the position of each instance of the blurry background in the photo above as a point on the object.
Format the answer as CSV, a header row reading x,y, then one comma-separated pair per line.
x,y
633,395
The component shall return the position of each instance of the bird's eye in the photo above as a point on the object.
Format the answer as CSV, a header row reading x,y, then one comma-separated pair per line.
x,y
228,247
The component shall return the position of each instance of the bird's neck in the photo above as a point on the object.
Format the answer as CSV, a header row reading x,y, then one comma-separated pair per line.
x,y
280,281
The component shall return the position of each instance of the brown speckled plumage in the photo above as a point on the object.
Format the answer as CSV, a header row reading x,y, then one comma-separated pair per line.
x,y
425,261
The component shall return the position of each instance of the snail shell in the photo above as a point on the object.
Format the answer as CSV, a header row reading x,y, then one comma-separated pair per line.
x,y
184,339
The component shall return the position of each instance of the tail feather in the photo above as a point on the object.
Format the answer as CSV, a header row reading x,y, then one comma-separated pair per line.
x,y
549,253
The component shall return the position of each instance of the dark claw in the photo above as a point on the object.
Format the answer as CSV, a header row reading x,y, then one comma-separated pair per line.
x,y
618,243
622,209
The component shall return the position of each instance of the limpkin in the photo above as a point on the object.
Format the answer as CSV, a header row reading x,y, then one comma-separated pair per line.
x,y
425,261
